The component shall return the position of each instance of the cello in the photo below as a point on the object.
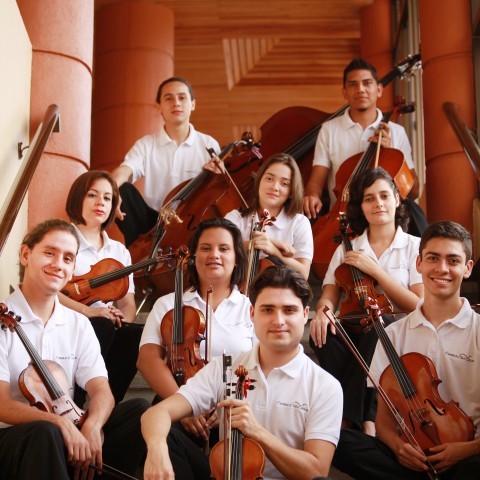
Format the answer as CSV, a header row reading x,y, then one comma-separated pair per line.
x,y
182,329
294,130
236,457
205,196
44,383
390,159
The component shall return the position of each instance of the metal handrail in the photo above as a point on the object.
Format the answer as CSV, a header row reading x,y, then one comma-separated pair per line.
x,y
14,199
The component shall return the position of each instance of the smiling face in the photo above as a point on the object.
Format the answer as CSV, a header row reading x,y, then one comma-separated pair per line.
x,y
49,264
97,203
443,267
380,203
279,319
275,187
176,104
215,256
361,90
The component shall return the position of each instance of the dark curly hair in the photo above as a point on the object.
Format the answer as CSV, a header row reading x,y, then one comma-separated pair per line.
x,y
356,219
240,270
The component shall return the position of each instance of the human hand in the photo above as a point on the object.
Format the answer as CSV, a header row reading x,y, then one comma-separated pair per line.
x,y
214,165
157,464
319,326
386,140
311,205
196,426
118,212
362,261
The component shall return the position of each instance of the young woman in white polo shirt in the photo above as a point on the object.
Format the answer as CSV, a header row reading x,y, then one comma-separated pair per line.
x,y
220,262
91,205
387,254
278,188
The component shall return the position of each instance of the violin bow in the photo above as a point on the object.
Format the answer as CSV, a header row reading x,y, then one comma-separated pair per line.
x,y
113,472
432,473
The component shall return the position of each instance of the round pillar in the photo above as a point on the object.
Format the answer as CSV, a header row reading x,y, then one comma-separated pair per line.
x,y
376,44
133,55
447,76
62,38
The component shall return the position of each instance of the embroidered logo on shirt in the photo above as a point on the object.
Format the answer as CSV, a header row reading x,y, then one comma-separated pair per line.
x,y
297,405
461,356
72,356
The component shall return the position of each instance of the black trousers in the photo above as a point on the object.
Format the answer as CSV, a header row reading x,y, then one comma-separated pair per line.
x,y
139,218
36,450
359,401
367,458
119,347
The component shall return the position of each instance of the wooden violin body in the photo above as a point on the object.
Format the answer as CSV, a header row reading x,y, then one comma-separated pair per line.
x,y
431,420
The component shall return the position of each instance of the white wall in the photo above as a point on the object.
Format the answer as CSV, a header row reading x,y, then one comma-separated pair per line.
x,y
15,65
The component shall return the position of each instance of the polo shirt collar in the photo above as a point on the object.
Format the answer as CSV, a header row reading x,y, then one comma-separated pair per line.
x,y
164,138
461,320
235,297
27,314
85,245
293,368
347,122
400,240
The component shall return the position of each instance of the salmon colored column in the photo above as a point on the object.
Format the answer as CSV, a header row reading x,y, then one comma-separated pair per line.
x,y
62,39
133,55
447,76
376,43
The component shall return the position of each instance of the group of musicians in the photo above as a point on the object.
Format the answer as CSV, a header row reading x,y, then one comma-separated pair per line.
x,y
298,417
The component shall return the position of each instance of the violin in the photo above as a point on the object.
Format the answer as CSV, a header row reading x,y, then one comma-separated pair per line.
x,y
237,457
294,130
106,281
254,263
182,329
408,387
44,383
357,286
205,196
390,159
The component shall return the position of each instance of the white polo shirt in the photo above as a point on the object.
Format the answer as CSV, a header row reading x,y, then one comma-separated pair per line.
x,y
88,255
341,138
454,348
232,328
67,338
398,260
295,230
299,401
164,165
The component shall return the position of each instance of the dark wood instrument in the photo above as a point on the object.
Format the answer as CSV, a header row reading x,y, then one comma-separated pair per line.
x,y
237,457
254,263
408,387
205,196
182,329
325,228
357,286
43,382
106,281
294,130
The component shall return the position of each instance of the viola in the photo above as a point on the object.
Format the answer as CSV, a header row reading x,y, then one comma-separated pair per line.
x,y
106,281
294,130
44,383
390,159
237,457
408,387
357,286
205,196
182,329
254,263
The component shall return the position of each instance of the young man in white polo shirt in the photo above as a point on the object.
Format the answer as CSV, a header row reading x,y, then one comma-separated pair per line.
x,y
446,329
43,445
175,154
294,411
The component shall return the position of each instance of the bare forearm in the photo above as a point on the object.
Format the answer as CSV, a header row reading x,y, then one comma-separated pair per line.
x,y
122,174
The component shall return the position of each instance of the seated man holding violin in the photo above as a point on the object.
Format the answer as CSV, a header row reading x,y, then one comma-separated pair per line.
x,y
293,413
444,328
57,440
